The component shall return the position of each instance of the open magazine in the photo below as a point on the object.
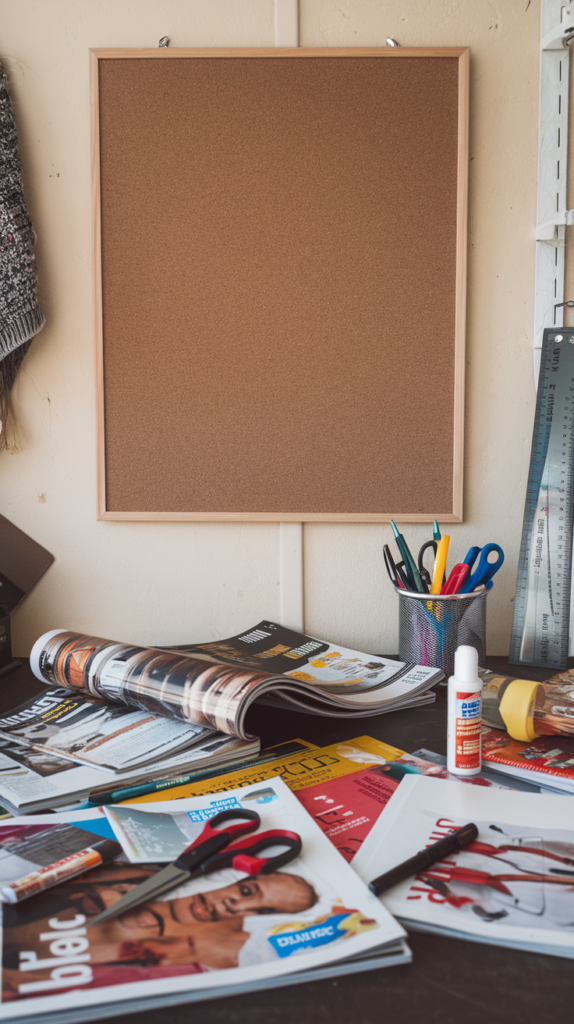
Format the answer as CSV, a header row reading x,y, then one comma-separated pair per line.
x,y
33,780
112,737
223,932
513,886
212,685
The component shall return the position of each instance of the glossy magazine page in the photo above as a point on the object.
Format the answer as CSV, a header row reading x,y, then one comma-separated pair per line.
x,y
38,841
31,780
223,929
344,786
192,685
547,759
112,737
283,651
513,886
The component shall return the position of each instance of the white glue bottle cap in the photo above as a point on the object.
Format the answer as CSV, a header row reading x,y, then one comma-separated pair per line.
x,y
466,664
464,714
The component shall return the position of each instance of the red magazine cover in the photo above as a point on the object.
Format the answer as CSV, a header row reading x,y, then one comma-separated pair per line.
x,y
546,755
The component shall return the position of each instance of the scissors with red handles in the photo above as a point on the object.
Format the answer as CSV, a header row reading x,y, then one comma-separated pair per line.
x,y
212,850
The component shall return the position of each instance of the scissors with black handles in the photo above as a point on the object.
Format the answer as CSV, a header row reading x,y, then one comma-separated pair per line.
x,y
211,851
396,570
424,573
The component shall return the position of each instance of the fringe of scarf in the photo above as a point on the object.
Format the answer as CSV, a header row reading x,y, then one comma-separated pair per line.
x,y
8,371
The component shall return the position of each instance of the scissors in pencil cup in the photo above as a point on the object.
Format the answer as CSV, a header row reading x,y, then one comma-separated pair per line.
x,y
211,851
483,569
424,573
395,570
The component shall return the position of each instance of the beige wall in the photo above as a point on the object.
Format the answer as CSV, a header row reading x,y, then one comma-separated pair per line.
x,y
163,583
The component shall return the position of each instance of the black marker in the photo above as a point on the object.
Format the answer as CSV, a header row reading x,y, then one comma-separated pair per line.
x,y
432,855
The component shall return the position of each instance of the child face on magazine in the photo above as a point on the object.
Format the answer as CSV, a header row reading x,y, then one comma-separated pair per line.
x,y
276,893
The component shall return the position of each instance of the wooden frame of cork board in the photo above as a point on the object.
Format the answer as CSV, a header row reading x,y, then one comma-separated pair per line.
x,y
280,271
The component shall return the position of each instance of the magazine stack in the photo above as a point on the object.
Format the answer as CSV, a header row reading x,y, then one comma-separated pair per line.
x,y
513,886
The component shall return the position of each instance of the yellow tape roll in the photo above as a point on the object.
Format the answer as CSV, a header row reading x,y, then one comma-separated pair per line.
x,y
517,709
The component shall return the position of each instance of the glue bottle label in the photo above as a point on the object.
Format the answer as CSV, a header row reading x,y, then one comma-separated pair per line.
x,y
468,720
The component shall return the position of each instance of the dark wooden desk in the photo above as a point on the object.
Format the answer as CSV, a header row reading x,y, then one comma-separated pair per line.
x,y
449,982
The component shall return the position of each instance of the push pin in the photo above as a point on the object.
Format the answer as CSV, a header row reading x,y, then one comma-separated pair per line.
x,y
164,41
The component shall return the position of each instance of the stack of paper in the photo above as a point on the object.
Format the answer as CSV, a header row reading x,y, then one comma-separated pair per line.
x,y
513,886
222,933
57,748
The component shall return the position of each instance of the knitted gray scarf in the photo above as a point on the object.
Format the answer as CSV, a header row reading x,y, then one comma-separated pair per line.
x,y
20,315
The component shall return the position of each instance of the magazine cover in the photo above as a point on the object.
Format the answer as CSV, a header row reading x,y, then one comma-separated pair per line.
x,y
107,736
206,686
222,929
31,780
344,786
513,886
544,759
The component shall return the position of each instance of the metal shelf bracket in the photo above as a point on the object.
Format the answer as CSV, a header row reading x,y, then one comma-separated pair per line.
x,y
557,37
552,213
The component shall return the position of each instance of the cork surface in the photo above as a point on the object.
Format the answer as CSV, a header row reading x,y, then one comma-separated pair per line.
x,y
278,278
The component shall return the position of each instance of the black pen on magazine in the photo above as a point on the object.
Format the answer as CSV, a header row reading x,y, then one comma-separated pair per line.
x,y
425,858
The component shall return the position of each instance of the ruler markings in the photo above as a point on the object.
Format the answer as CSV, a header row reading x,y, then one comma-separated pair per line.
x,y
542,605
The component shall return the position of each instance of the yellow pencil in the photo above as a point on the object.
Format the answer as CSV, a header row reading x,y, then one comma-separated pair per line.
x,y
440,564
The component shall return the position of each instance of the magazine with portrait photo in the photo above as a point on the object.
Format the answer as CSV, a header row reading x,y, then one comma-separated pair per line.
x,y
223,929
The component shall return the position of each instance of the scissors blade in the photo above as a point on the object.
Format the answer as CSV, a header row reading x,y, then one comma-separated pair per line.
x,y
153,887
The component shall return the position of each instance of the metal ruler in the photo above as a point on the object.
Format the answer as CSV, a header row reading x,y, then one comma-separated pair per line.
x,y
542,604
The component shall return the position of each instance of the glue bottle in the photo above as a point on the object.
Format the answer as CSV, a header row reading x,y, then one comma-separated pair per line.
x,y
464,749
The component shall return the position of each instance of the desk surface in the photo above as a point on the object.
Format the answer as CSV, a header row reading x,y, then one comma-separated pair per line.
x,y
447,982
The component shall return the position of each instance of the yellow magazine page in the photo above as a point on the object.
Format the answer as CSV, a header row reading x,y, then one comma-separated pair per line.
x,y
298,770
344,786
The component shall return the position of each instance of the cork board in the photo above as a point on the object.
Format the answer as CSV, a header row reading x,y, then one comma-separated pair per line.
x,y
280,257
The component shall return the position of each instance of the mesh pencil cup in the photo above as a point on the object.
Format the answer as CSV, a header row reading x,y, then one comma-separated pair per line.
x,y
431,629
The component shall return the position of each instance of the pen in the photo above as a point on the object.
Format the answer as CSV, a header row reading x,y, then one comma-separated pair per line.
x,y
456,579
440,564
435,531
432,855
116,796
410,567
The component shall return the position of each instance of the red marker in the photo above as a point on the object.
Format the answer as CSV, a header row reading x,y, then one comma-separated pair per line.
x,y
100,853
456,579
